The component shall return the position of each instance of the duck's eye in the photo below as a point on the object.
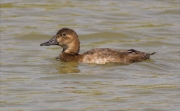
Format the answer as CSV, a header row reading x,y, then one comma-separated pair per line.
x,y
63,34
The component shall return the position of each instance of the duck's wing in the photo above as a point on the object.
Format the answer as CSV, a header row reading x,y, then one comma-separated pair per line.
x,y
137,56
105,55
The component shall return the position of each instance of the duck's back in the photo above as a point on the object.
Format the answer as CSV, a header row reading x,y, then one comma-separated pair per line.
x,y
107,55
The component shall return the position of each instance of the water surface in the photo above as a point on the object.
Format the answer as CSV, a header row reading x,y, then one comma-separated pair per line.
x,y
32,79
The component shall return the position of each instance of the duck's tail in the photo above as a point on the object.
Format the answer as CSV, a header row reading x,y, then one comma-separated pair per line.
x,y
137,56
149,54
153,53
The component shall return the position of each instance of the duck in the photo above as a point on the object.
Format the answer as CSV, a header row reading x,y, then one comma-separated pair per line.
x,y
68,39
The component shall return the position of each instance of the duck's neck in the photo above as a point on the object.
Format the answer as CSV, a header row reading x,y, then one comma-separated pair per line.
x,y
72,48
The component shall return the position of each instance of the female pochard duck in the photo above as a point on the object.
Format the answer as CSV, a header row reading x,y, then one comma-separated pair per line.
x,y
68,40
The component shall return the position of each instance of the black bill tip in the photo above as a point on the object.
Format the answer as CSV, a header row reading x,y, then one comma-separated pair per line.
x,y
45,44
52,41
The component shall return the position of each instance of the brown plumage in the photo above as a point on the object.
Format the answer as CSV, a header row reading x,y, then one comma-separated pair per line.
x,y
68,40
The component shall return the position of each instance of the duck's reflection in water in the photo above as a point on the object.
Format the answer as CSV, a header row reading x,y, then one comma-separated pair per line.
x,y
67,67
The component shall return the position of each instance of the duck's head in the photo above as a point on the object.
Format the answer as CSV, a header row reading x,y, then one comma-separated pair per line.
x,y
67,39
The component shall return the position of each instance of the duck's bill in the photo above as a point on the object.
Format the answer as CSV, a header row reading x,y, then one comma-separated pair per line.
x,y
52,41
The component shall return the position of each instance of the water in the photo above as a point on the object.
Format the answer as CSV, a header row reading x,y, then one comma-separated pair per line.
x,y
32,80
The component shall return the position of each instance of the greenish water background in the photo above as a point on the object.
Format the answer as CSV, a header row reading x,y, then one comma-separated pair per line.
x,y
32,80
